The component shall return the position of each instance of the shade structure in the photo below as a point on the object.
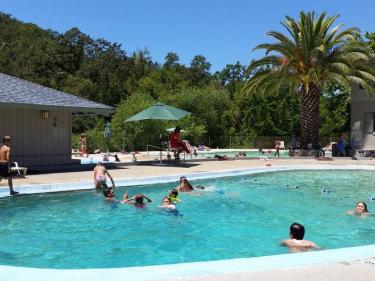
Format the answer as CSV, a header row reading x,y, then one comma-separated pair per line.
x,y
159,111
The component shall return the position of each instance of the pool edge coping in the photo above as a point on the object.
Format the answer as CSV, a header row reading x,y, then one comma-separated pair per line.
x,y
136,181
192,269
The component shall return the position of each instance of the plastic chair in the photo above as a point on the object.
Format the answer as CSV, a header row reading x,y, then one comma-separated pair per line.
x,y
21,171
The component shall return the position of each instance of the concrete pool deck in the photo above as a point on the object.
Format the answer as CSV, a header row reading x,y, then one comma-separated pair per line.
x,y
134,171
351,267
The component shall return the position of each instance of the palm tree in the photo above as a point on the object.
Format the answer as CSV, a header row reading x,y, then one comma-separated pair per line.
x,y
313,54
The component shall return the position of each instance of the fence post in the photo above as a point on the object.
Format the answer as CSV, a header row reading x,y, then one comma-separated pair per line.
x,y
123,142
230,142
209,141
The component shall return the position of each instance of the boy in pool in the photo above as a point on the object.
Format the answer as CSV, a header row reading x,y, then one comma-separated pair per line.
x,y
100,179
360,209
173,196
167,204
136,200
296,242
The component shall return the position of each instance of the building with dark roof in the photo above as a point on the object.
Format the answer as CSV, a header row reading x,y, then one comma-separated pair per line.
x,y
362,122
39,119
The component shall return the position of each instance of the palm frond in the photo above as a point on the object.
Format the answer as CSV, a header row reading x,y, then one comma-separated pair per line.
x,y
313,51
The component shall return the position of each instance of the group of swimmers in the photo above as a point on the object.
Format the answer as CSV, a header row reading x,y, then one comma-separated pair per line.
x,y
295,243
138,200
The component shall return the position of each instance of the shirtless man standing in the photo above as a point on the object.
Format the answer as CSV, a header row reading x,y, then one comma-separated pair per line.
x,y
296,242
100,176
5,163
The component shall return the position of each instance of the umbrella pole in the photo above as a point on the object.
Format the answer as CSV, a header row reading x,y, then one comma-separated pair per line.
x,y
161,147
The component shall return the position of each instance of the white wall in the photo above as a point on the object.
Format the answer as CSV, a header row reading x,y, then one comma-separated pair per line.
x,y
361,103
37,141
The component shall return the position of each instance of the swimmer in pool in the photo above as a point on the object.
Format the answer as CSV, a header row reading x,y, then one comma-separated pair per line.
x,y
296,242
360,209
109,194
136,200
100,179
167,204
185,186
173,196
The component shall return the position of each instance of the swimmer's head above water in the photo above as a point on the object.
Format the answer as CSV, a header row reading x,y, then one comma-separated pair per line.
x,y
108,193
361,207
297,231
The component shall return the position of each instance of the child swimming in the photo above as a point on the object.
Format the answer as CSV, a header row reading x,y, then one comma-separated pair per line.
x,y
136,200
173,196
167,204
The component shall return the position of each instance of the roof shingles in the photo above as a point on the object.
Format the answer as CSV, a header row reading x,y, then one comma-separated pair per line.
x,y
17,91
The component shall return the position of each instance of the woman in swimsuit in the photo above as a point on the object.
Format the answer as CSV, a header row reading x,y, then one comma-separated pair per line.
x,y
100,179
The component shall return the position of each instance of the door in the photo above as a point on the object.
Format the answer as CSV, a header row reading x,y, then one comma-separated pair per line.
x,y
369,132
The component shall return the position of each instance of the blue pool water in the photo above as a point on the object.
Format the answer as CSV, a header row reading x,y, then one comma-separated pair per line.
x,y
234,153
243,216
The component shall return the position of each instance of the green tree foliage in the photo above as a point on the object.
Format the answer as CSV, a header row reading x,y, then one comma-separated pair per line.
x,y
209,106
199,72
370,40
232,77
335,110
313,54
134,135
101,71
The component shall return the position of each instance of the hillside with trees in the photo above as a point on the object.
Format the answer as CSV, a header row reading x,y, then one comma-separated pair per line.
x,y
102,71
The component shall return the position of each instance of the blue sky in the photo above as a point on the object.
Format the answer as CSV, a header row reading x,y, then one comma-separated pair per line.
x,y
222,31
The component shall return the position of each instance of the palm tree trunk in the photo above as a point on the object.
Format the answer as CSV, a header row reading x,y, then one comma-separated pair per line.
x,y
310,101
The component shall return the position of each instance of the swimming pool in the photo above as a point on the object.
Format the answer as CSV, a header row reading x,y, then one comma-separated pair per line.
x,y
243,216
233,153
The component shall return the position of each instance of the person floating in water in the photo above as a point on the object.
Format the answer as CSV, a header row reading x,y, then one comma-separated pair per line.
x,y
100,179
296,242
360,209
173,196
136,200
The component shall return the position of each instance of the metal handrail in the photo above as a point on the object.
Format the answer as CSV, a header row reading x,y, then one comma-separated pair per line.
x,y
149,145
161,151
158,148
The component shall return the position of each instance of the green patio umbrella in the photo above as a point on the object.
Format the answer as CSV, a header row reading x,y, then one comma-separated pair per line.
x,y
172,130
159,111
